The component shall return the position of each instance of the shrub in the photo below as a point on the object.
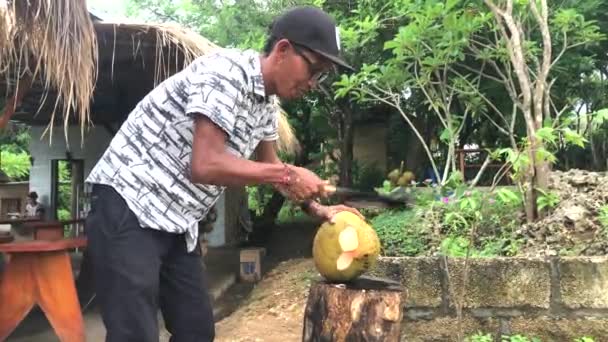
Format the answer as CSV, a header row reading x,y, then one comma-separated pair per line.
x,y
399,233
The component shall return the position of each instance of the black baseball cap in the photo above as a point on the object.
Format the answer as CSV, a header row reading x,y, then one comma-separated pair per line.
x,y
312,28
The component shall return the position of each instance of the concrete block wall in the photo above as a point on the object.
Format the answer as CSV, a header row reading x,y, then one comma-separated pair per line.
x,y
555,299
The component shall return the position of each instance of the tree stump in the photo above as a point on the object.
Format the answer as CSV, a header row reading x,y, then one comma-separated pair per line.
x,y
365,310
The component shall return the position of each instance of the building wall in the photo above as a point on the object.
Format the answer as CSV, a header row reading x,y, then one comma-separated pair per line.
x,y
43,150
370,144
97,140
14,190
226,230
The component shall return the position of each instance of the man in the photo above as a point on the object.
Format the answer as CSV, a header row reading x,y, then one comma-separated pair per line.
x,y
170,161
33,208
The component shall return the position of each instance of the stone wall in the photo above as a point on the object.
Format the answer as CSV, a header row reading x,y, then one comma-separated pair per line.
x,y
369,145
555,299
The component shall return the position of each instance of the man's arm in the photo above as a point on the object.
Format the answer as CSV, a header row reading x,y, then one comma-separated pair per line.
x,y
266,152
212,164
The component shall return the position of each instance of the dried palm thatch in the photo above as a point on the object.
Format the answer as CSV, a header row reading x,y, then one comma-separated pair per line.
x,y
53,39
288,143
56,40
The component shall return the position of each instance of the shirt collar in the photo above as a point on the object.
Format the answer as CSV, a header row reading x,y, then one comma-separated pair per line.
x,y
254,71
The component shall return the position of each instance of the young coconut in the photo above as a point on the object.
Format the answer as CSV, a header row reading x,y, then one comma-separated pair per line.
x,y
346,249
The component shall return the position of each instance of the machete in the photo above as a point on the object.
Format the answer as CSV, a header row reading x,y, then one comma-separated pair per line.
x,y
393,199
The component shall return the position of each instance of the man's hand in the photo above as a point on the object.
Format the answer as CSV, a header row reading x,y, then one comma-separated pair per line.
x,y
329,212
304,184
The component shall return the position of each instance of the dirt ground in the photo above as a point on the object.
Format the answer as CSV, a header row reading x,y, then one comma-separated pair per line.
x,y
273,309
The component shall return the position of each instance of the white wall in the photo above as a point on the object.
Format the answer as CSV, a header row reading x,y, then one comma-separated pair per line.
x,y
96,141
217,237
43,150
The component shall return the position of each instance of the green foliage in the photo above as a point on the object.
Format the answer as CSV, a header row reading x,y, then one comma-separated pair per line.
x,y
64,208
486,337
548,200
519,338
367,176
399,234
443,218
15,139
16,165
15,159
585,339
603,218
240,24
257,197
480,337
290,213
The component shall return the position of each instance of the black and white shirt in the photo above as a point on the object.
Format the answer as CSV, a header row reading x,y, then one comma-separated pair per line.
x,y
148,161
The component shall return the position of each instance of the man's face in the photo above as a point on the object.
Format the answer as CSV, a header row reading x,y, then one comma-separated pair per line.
x,y
300,71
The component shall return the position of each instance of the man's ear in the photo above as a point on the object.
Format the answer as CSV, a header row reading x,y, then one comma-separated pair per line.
x,y
281,49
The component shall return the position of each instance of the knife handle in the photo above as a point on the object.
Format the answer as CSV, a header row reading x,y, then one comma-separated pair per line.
x,y
328,189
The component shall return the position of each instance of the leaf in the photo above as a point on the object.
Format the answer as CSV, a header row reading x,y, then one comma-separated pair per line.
x,y
446,135
546,134
15,165
450,4
545,156
601,116
507,196
573,137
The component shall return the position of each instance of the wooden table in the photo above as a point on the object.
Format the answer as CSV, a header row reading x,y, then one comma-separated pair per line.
x,y
6,220
40,272
50,230
4,238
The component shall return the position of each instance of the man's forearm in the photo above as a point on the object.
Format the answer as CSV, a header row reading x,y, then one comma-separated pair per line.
x,y
228,170
312,208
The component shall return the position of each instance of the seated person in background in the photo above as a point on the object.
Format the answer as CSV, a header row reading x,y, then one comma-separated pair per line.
x,y
33,208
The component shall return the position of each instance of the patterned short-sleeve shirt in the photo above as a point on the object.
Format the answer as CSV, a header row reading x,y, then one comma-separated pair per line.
x,y
148,161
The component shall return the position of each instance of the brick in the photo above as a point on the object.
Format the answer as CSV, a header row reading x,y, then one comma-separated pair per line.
x,y
421,277
583,282
503,282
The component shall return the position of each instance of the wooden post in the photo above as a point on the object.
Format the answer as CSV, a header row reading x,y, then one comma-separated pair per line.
x,y
366,310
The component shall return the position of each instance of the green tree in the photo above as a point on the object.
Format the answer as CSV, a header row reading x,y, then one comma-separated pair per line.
x,y
14,146
461,54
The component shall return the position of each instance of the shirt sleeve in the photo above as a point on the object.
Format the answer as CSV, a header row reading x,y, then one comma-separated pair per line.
x,y
215,94
271,130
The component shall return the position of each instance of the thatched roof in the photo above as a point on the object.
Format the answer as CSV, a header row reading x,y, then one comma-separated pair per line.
x,y
131,60
94,71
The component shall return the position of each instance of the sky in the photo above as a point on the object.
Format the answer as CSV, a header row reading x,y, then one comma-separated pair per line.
x,y
108,9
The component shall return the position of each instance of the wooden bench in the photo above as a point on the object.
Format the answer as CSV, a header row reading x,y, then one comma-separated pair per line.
x,y
40,272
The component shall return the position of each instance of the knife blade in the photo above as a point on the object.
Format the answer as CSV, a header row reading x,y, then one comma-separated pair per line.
x,y
350,193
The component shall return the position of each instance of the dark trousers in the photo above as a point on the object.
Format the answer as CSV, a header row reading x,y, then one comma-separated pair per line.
x,y
137,271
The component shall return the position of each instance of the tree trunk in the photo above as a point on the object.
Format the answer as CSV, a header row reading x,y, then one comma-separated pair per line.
x,y
273,207
347,140
367,309
346,162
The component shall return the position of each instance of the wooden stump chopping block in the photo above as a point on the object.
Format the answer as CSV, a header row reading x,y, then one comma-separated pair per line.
x,y
365,310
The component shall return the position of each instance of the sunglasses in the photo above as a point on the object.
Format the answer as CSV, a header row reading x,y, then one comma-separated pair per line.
x,y
318,75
